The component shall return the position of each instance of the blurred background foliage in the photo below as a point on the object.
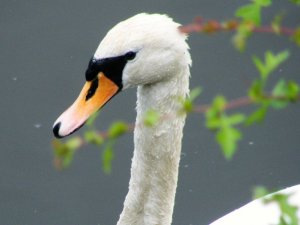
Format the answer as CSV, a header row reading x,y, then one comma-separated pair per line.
x,y
246,22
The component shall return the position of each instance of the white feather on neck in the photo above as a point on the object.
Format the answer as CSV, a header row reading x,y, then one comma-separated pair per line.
x,y
154,170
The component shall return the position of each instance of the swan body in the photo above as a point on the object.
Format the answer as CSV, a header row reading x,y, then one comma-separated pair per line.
x,y
258,212
146,51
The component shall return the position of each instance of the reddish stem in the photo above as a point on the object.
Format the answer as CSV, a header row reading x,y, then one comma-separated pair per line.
x,y
213,26
267,29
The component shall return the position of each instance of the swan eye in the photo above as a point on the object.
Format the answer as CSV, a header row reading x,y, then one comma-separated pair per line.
x,y
130,55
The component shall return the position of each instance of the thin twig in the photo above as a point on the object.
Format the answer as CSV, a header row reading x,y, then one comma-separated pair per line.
x,y
200,109
233,104
213,26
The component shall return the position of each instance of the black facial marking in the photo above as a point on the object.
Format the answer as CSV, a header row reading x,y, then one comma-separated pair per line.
x,y
56,130
112,68
92,70
92,89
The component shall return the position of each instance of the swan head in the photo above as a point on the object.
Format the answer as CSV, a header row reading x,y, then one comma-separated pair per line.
x,y
142,50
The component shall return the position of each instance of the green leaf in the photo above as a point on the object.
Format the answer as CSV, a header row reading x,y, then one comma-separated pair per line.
x,y
64,152
214,113
264,3
250,12
256,91
239,41
296,36
244,31
59,148
288,211
260,192
297,2
92,119
285,92
276,23
279,90
107,157
93,137
251,17
293,90
259,66
257,116
195,92
117,129
213,123
236,119
227,137
151,118
73,143
187,104
219,102
272,61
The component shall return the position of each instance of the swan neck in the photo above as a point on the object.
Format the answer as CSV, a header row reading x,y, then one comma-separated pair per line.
x,y
155,162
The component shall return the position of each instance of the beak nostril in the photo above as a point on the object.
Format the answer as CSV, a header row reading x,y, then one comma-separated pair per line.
x,y
56,130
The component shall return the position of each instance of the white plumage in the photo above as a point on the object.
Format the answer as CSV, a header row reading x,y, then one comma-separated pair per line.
x,y
258,212
160,71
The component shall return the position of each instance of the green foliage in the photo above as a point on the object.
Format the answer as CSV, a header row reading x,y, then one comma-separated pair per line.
x,y
256,90
214,112
263,3
93,137
107,157
244,31
288,212
227,135
117,129
258,115
64,152
296,36
252,12
151,118
259,192
282,92
251,16
297,2
187,103
271,63
276,23
217,119
90,122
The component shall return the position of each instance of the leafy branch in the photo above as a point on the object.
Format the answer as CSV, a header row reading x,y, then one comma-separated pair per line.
x,y
218,119
216,114
248,22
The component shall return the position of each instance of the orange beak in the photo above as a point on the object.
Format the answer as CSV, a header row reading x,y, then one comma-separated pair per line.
x,y
93,96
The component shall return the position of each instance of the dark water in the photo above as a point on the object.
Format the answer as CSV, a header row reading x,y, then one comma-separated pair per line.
x,y
45,47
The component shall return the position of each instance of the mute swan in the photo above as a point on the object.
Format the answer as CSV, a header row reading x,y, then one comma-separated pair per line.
x,y
148,52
